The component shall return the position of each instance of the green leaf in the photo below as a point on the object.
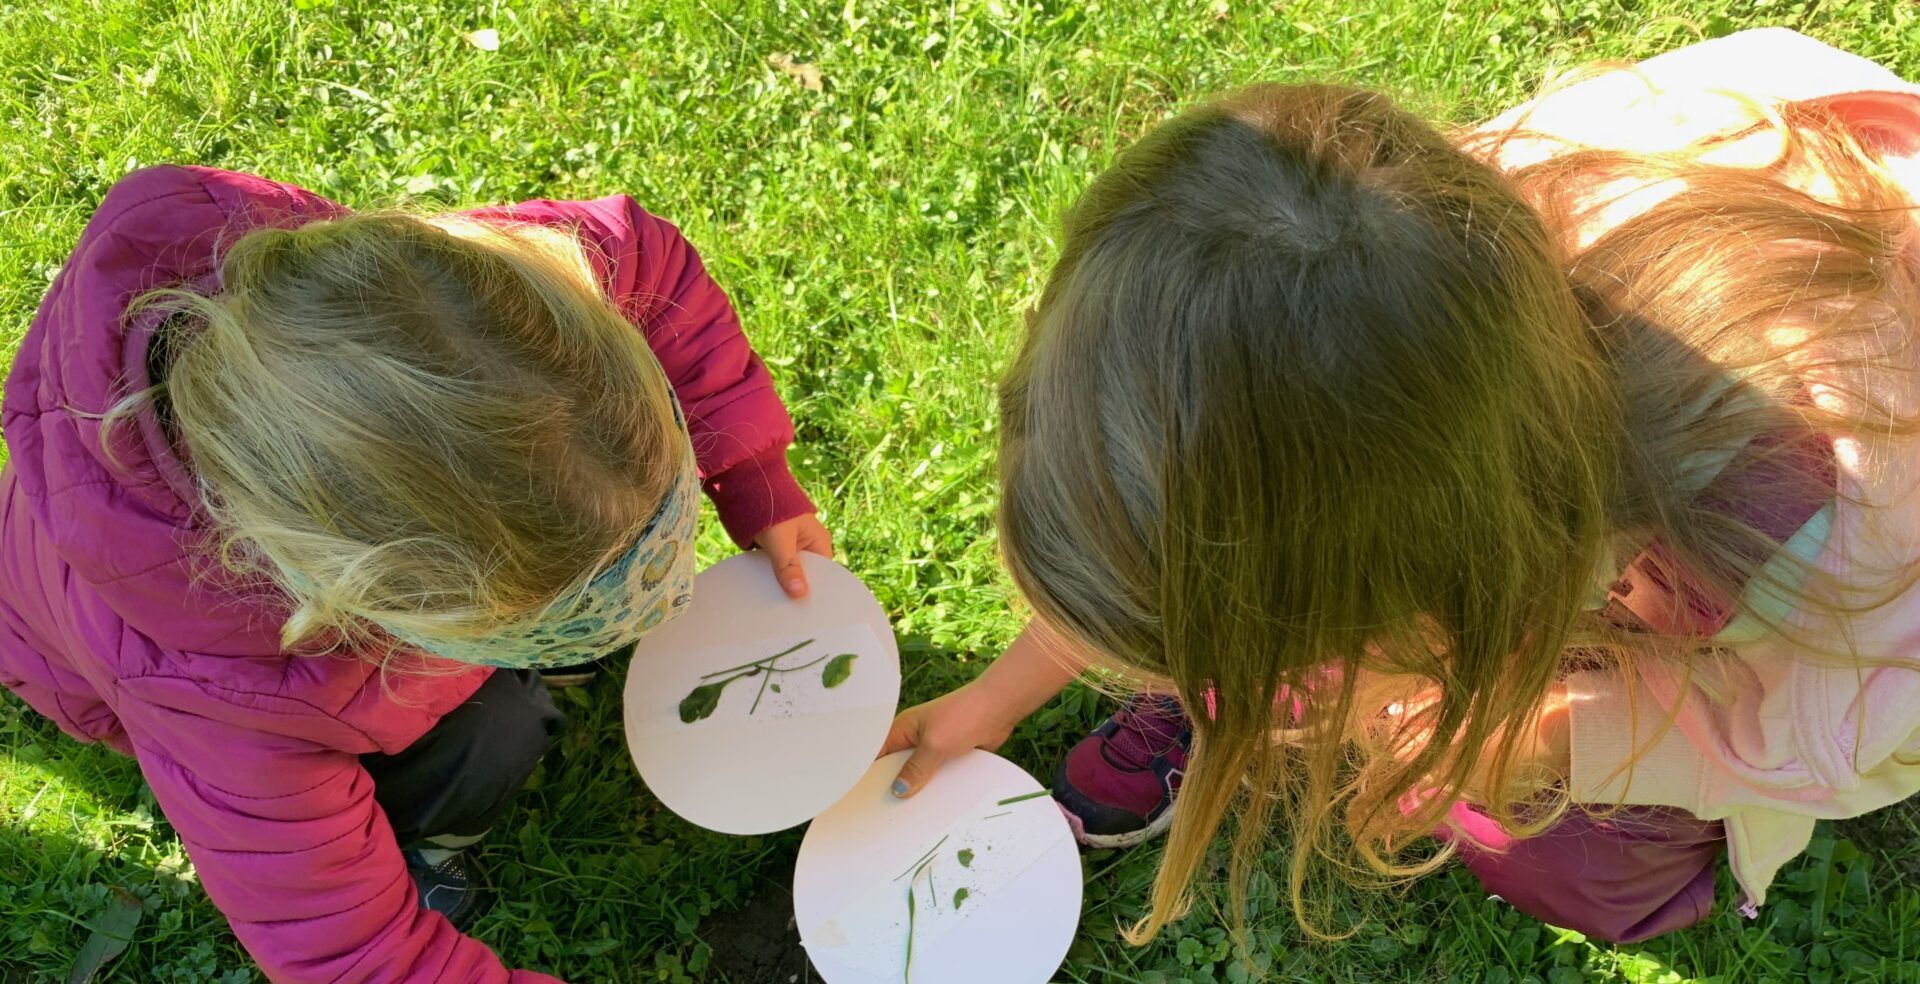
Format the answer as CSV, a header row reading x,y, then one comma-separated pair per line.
x,y
966,858
774,687
702,955
700,704
838,669
959,896
112,932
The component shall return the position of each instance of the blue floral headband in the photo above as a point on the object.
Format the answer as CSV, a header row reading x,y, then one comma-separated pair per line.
x,y
648,585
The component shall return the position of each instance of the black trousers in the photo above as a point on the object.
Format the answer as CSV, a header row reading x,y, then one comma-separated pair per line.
x,y
459,777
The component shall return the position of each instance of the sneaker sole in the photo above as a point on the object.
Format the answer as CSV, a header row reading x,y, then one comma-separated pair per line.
x,y
1132,838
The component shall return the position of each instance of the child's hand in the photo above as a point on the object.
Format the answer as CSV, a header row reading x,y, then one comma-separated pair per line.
x,y
968,718
784,542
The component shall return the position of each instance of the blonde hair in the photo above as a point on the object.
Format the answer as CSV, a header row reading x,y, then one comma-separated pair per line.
x,y
1318,404
436,424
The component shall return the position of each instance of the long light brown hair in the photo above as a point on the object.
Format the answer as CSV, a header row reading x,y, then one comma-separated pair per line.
x,y
1319,403
433,423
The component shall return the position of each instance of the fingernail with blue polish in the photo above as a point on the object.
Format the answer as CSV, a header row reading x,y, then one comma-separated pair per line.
x,y
900,787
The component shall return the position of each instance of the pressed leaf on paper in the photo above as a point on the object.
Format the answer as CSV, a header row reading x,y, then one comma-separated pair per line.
x,y
838,669
701,703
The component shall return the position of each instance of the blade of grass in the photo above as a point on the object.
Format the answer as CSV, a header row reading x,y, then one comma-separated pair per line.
x,y
796,647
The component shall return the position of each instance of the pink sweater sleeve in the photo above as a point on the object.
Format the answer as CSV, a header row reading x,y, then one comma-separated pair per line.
x,y
289,843
740,428
1769,728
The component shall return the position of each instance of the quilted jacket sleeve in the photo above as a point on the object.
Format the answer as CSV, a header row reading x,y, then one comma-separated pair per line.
x,y
288,841
740,428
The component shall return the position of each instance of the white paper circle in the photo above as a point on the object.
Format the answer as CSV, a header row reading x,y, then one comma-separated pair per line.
x,y
748,769
849,883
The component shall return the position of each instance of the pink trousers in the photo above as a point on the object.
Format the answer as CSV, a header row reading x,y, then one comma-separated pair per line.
x,y
1626,877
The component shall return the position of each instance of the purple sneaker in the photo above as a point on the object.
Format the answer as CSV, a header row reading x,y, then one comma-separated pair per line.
x,y
1117,786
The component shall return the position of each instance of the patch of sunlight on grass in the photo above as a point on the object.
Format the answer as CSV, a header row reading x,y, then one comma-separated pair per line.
x,y
1645,968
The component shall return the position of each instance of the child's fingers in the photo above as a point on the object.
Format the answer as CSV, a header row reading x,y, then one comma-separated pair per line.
x,y
902,736
793,578
919,768
782,548
816,538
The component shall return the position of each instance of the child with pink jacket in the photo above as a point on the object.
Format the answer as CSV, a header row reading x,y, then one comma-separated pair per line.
x,y
302,504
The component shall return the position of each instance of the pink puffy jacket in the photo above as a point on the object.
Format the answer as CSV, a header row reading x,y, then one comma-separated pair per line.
x,y
110,626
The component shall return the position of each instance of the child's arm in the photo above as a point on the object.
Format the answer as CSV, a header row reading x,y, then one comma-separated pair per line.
x,y
1830,742
286,838
1672,100
740,428
983,713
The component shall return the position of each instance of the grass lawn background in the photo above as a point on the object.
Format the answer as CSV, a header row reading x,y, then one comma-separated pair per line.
x,y
880,236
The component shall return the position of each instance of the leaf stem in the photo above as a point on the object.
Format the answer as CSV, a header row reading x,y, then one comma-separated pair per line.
x,y
736,676
761,662
765,678
771,670
802,666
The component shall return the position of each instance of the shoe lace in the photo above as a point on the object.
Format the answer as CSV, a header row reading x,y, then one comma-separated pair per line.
x,y
1148,727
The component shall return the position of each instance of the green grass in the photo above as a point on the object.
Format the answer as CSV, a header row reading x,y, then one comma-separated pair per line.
x,y
880,238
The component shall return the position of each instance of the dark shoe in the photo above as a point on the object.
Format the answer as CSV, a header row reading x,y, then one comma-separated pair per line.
x,y
449,883
561,677
1117,786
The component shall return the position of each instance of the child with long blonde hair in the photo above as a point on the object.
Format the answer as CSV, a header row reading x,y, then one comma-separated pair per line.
x,y
1552,488
305,508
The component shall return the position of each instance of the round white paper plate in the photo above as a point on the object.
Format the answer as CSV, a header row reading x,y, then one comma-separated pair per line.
x,y
1020,873
764,759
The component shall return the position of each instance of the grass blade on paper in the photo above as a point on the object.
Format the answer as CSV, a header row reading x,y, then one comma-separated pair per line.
x,y
1009,801
782,654
907,975
914,868
765,678
913,905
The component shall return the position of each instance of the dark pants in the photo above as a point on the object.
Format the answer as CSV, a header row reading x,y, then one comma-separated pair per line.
x,y
455,781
